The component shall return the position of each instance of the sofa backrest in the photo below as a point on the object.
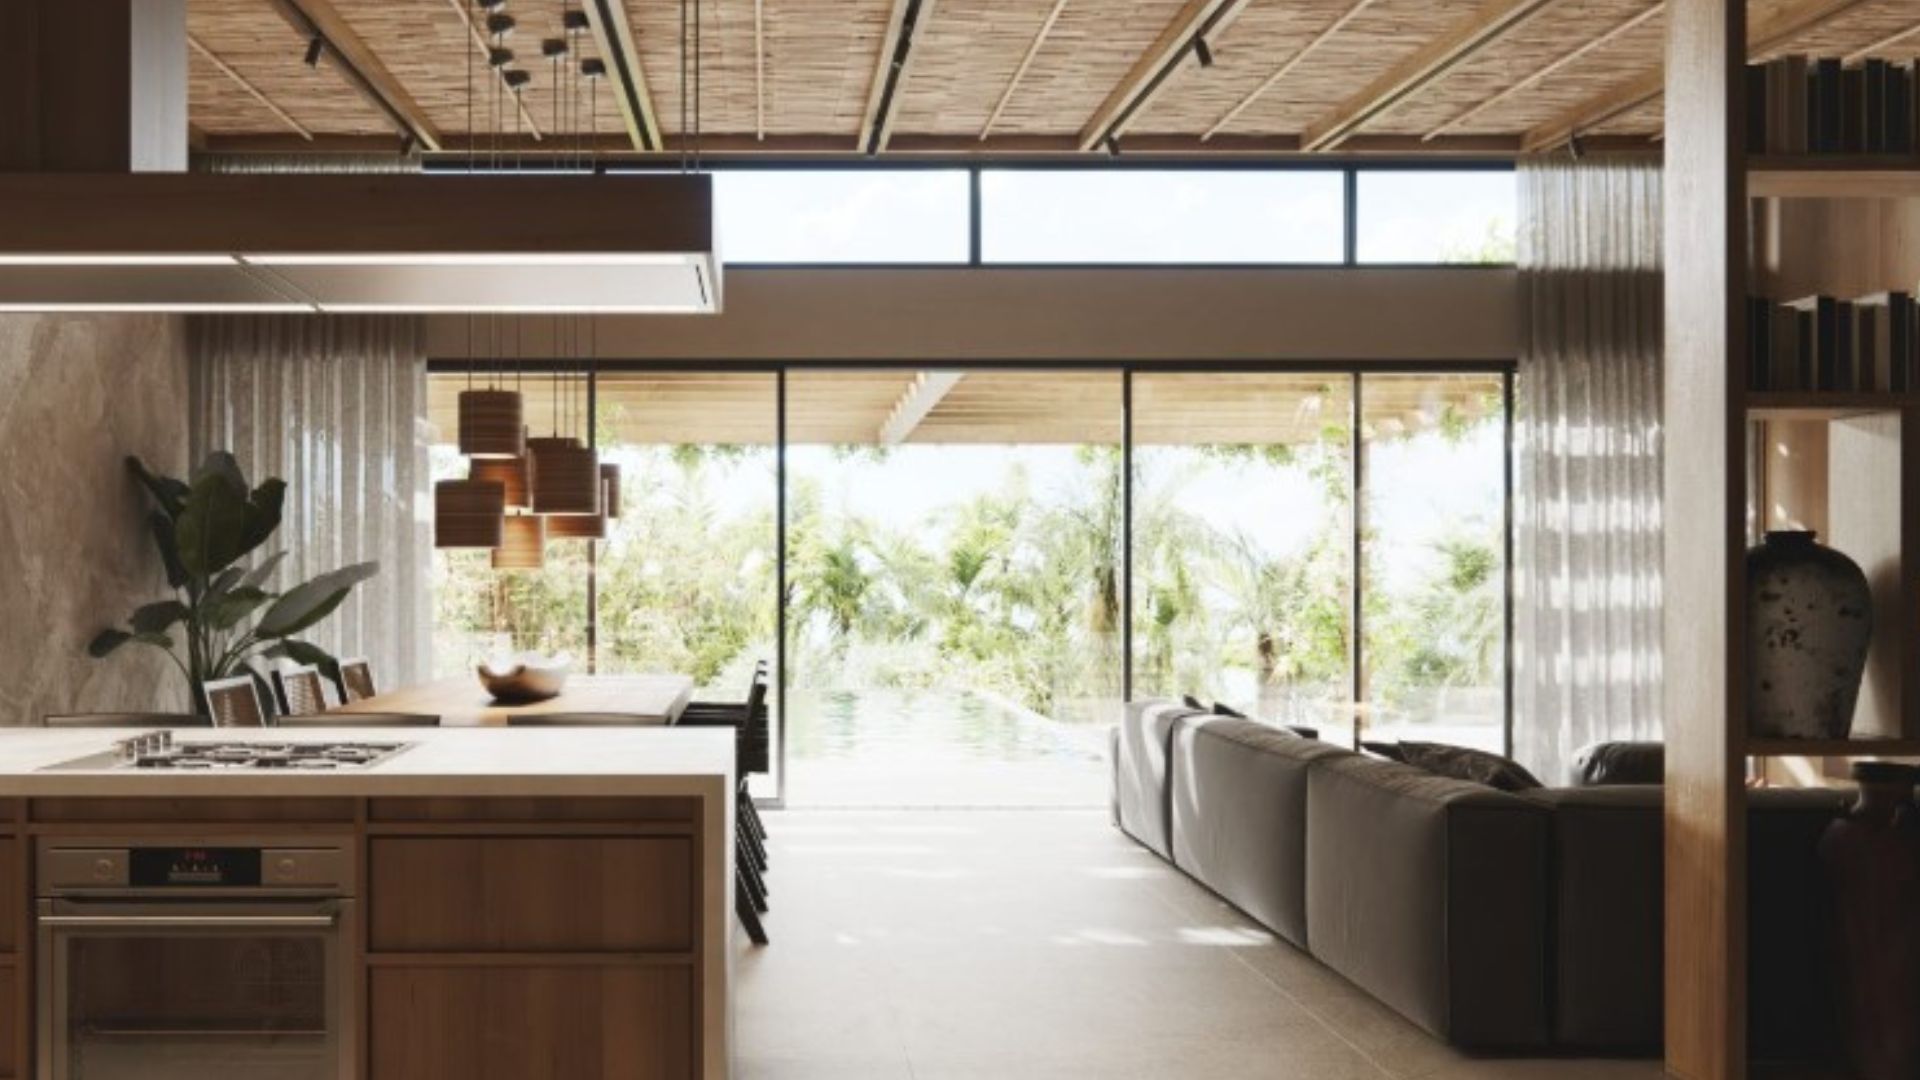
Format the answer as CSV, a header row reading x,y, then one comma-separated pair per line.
x,y
1140,771
1429,893
1239,815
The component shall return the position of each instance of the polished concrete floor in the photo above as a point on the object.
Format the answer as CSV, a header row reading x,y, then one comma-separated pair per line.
x,y
1040,944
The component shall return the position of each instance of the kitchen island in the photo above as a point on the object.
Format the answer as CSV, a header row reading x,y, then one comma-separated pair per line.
x,y
478,903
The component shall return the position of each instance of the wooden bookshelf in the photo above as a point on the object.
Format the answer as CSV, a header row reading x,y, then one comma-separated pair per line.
x,y
1834,176
1824,405
1836,748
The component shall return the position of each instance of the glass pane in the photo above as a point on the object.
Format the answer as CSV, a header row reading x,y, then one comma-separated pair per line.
x,y
1242,552
480,612
842,215
1436,216
157,1007
953,575
1435,573
1161,216
687,575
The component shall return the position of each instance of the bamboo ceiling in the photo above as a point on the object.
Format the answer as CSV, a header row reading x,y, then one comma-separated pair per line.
x,y
990,76
995,406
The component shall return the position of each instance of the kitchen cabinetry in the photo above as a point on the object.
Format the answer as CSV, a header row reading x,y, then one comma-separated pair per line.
x,y
13,937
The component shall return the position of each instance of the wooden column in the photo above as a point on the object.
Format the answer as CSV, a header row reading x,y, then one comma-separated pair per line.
x,y
93,86
1706,267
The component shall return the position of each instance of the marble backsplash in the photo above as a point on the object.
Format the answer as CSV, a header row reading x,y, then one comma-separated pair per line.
x,y
78,394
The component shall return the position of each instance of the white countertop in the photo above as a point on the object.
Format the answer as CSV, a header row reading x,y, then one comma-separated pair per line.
x,y
441,761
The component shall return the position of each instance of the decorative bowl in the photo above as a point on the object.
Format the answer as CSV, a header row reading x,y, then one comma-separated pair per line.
x,y
524,679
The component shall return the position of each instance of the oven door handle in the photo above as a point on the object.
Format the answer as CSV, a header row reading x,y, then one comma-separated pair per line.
x,y
187,922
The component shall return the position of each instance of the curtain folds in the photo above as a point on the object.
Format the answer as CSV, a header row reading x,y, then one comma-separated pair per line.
x,y
1588,505
335,406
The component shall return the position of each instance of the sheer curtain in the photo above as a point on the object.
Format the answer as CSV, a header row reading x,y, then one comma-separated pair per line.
x,y
1587,543
336,407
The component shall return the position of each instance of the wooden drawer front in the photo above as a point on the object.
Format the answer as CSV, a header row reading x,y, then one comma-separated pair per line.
x,y
531,894
13,889
580,1022
504,810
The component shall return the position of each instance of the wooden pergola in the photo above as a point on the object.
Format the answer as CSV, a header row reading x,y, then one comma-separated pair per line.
x,y
994,406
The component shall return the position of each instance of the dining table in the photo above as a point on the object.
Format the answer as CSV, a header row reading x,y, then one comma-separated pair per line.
x,y
460,700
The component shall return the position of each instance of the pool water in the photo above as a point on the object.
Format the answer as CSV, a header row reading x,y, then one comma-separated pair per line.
x,y
937,748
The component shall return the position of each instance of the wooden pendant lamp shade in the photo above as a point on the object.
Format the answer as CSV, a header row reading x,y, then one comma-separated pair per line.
x,y
610,490
523,545
577,527
492,424
468,513
564,476
510,473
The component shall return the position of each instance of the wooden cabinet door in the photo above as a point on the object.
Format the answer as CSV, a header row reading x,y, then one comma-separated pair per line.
x,y
572,1022
531,894
13,894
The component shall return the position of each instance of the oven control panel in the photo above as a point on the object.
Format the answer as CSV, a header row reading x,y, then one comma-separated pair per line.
x,y
68,867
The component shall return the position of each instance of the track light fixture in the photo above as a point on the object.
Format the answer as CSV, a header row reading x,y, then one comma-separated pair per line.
x,y
492,5
553,47
593,68
498,57
575,21
516,79
1203,52
314,49
500,24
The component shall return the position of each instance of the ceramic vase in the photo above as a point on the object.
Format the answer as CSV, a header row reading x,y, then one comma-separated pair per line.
x,y
1809,621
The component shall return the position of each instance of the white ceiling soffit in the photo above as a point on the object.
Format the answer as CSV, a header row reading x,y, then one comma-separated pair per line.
x,y
640,244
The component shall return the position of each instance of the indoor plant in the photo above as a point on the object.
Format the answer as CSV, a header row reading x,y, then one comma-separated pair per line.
x,y
224,615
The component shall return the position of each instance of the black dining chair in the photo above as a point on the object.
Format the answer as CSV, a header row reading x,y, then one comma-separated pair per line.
x,y
358,720
300,691
234,702
123,719
354,680
750,864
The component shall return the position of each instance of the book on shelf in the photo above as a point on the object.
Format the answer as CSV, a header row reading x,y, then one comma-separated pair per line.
x,y
1820,344
1819,105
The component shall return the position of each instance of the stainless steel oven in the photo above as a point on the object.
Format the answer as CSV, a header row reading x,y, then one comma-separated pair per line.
x,y
169,961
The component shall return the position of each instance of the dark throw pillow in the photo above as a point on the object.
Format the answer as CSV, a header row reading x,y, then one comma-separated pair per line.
x,y
1221,708
1192,702
1604,764
1463,763
1389,750
1304,731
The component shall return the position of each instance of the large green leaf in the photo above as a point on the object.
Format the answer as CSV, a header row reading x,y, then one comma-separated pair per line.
x,y
170,493
165,539
106,642
160,615
218,587
305,605
213,528
266,503
222,464
226,610
303,652
257,577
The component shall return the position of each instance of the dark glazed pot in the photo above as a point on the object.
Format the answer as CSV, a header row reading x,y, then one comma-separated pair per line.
x,y
1809,620
1871,859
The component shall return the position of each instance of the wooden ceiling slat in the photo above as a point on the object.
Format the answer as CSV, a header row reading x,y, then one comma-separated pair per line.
x,y
1149,72
360,66
1539,75
1293,61
248,88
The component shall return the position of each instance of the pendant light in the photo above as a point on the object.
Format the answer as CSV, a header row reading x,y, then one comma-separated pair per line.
x,y
468,513
564,474
492,419
610,490
509,473
523,543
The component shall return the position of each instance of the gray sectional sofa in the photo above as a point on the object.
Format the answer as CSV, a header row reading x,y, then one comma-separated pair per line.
x,y
1508,922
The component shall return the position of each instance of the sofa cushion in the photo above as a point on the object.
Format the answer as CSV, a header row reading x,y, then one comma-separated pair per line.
x,y
1140,771
1239,823
1602,763
1430,894
1466,763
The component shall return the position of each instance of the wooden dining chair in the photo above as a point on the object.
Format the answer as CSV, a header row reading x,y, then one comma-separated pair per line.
x,y
123,719
357,720
355,681
234,702
300,691
582,719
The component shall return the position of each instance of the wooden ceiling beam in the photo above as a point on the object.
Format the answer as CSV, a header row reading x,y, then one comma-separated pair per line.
x,y
251,90
1416,72
1196,19
922,396
362,69
1326,34
890,71
1780,32
1026,61
478,37
613,36
1886,42
1566,60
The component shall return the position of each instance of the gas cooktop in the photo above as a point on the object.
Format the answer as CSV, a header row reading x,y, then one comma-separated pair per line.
x,y
158,750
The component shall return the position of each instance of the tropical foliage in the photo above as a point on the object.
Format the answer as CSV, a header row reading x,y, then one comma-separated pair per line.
x,y
224,615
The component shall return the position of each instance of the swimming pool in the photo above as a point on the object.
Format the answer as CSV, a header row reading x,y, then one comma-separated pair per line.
x,y
883,747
